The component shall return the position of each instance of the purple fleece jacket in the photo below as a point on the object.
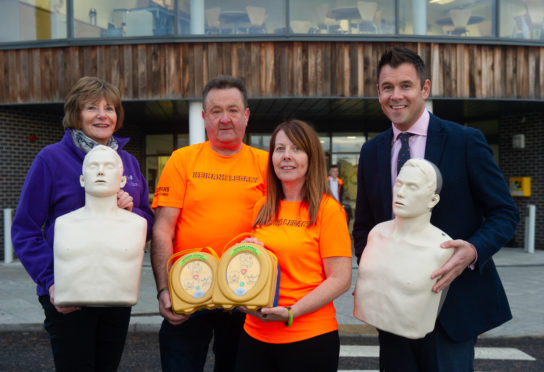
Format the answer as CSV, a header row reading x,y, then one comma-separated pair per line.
x,y
52,189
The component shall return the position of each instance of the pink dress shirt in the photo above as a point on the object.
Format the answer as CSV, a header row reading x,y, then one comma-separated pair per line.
x,y
417,143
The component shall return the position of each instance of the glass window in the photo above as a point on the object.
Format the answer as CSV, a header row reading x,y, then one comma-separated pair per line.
x,y
347,142
342,17
325,140
105,18
345,153
260,141
312,17
385,17
184,17
32,20
158,148
229,17
347,171
456,18
182,140
153,169
159,144
522,19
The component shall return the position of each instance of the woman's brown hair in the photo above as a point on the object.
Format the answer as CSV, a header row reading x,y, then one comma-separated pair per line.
x,y
90,89
315,184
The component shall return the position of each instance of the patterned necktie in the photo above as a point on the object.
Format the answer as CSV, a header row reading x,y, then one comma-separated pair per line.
x,y
404,153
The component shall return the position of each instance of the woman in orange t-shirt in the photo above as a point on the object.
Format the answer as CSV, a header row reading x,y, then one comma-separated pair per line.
x,y
305,227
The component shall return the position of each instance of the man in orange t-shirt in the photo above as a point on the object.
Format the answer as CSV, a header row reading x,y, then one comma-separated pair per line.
x,y
205,196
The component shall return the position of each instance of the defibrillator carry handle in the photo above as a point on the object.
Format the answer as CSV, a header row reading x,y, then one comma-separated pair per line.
x,y
237,239
188,251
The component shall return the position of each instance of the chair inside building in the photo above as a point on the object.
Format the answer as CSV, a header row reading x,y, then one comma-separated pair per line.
x,y
367,10
326,24
257,18
212,20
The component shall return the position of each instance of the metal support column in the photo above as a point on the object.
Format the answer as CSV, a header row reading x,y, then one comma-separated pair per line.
x,y
530,220
8,246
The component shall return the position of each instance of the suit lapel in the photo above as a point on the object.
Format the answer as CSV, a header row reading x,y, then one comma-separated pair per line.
x,y
384,162
436,139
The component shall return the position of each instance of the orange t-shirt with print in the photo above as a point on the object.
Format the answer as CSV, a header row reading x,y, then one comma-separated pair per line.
x,y
300,251
216,194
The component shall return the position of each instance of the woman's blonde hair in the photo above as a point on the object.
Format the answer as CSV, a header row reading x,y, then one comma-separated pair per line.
x,y
315,183
90,89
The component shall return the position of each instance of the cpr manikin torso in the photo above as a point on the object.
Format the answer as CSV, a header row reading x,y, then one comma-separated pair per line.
x,y
99,248
393,291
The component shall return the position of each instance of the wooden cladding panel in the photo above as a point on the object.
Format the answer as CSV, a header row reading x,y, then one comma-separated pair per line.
x,y
270,69
297,66
141,68
13,75
369,77
540,74
499,72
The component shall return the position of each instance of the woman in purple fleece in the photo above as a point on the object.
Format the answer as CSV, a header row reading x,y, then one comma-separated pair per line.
x,y
82,338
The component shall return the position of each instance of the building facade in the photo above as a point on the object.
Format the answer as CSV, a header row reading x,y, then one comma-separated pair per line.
x,y
314,60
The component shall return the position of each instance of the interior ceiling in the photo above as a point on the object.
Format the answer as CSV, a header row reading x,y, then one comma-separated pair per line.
x,y
325,114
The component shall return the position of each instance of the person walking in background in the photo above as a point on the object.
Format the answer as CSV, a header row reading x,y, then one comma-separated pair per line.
x,y
335,183
476,210
204,197
82,338
305,227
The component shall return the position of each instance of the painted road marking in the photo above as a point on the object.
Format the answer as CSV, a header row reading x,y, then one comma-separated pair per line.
x,y
494,353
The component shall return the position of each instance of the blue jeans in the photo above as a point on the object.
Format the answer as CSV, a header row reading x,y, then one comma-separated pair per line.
x,y
90,339
184,347
436,352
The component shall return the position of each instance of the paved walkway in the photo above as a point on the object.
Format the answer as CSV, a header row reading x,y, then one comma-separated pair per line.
x,y
522,275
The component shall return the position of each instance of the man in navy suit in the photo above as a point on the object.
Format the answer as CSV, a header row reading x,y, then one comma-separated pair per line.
x,y
475,209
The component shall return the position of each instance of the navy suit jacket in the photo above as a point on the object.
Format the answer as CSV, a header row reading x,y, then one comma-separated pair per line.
x,y
475,205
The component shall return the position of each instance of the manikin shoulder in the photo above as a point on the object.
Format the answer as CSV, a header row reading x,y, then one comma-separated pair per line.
x,y
81,216
70,217
131,217
435,234
431,234
382,229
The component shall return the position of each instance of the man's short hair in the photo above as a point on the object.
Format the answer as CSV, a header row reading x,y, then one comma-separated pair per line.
x,y
396,56
225,82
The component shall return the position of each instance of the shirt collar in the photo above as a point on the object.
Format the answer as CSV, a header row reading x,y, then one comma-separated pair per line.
x,y
419,127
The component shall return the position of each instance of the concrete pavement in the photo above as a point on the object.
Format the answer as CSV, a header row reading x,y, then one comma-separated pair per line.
x,y
522,275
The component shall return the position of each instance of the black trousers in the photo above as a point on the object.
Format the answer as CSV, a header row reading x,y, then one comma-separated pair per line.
x,y
184,347
90,339
436,352
316,354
